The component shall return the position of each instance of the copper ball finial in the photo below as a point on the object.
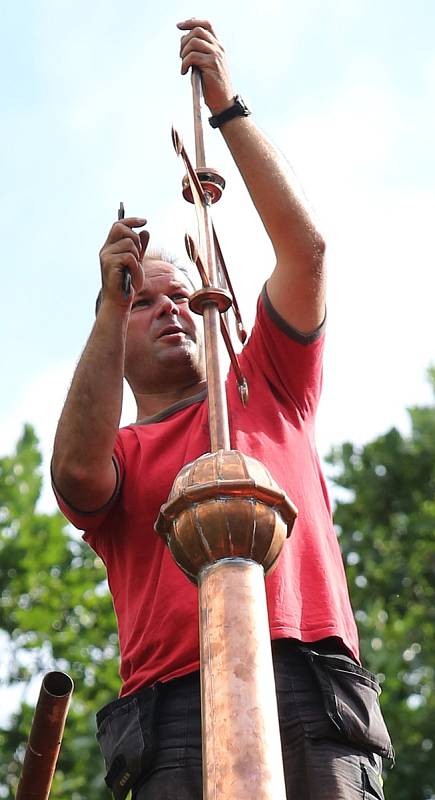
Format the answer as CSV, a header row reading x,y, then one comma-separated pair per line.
x,y
225,505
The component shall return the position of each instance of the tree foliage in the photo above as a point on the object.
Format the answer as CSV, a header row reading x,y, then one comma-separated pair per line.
x,y
55,611
386,527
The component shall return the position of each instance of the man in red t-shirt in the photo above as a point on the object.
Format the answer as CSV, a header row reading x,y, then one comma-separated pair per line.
x,y
111,483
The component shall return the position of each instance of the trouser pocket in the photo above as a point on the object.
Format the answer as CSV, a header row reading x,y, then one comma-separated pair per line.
x,y
125,733
350,695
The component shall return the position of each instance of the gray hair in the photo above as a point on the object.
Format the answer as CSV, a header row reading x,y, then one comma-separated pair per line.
x,y
160,254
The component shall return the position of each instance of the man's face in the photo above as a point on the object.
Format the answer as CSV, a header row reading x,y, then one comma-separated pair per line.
x,y
164,339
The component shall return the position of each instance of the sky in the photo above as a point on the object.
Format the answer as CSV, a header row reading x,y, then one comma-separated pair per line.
x,y
344,88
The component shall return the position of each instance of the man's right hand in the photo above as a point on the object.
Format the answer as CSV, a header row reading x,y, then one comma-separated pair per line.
x,y
123,249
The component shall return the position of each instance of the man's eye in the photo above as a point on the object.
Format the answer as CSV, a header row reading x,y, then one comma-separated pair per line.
x,y
142,302
179,297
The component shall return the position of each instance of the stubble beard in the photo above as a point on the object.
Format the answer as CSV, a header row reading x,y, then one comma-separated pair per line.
x,y
178,367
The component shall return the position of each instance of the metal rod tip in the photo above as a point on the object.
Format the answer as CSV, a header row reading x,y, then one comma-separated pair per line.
x,y
177,141
191,248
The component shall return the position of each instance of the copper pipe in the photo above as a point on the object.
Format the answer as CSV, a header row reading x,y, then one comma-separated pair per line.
x,y
45,737
225,528
241,380
217,403
241,332
217,400
197,121
241,741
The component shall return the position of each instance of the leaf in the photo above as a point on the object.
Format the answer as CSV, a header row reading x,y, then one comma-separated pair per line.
x,y
387,536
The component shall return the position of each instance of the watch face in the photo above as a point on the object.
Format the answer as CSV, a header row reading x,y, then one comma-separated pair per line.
x,y
238,101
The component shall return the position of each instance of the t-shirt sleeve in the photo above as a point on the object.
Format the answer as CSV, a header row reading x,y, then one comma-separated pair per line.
x,y
91,520
290,360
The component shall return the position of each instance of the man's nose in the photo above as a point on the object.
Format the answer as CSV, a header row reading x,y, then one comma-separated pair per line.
x,y
167,306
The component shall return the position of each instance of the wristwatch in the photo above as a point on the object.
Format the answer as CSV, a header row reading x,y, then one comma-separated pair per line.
x,y
238,109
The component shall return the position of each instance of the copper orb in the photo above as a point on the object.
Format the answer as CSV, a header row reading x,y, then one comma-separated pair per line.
x,y
225,505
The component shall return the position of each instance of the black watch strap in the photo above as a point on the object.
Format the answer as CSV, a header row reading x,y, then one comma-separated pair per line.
x,y
238,109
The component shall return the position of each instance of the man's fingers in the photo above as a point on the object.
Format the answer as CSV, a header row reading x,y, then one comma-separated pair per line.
x,y
199,53
114,265
144,237
198,45
124,227
189,24
124,230
137,277
125,245
195,59
200,35
113,262
134,222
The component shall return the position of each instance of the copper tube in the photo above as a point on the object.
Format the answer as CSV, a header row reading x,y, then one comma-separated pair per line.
x,y
241,742
241,380
241,332
217,401
240,732
197,120
45,737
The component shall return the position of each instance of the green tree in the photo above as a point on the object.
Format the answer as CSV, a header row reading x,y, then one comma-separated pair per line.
x,y
386,528
55,613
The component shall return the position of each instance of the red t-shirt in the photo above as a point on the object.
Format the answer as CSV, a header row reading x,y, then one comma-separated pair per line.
x,y
155,604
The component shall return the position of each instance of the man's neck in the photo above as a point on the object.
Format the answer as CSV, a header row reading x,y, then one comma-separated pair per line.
x,y
151,403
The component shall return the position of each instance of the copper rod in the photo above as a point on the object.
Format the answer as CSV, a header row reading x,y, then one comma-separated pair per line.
x,y
217,405
45,737
197,120
217,400
231,352
195,183
240,730
241,332
241,741
192,252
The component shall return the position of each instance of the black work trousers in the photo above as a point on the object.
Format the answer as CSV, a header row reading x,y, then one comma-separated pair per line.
x,y
321,762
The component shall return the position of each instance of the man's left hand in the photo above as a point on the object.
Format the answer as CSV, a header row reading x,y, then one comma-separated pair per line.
x,y
201,48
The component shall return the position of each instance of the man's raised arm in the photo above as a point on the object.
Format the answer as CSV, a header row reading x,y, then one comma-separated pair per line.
x,y
297,285
82,467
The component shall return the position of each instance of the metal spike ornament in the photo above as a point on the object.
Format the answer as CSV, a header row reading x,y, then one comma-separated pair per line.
x,y
225,523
